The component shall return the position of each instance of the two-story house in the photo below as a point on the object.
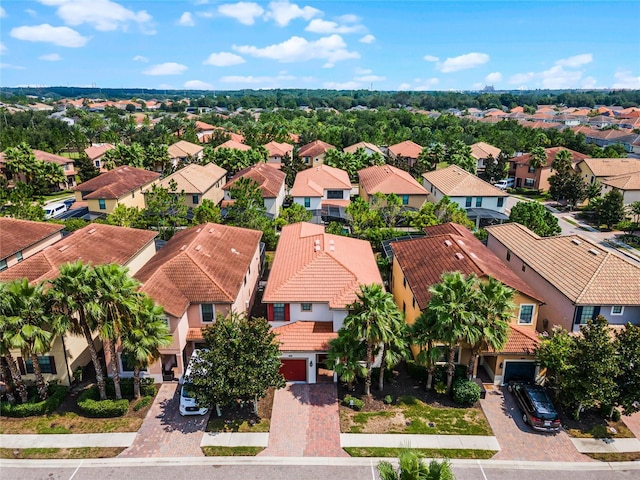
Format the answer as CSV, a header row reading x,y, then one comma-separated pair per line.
x,y
312,154
185,152
387,179
597,169
322,189
96,152
368,148
538,178
277,151
271,182
196,183
20,239
482,151
406,151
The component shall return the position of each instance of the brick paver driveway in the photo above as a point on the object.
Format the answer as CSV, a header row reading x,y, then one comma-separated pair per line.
x,y
166,433
633,422
305,422
517,440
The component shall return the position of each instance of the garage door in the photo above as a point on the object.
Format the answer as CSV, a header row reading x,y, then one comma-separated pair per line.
x,y
294,370
514,369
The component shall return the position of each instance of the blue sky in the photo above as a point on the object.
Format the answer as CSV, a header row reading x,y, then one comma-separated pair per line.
x,y
384,45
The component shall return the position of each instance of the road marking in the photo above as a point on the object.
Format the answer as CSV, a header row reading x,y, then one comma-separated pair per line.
x,y
76,470
481,471
373,472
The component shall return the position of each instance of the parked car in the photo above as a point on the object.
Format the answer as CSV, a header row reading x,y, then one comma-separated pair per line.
x,y
505,183
537,408
188,404
52,210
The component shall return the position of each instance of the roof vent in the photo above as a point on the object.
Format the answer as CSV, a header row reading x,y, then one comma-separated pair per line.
x,y
473,255
576,241
233,250
331,242
198,230
63,248
211,230
593,251
317,248
460,242
198,248
91,231
332,248
459,256
183,247
448,243
317,242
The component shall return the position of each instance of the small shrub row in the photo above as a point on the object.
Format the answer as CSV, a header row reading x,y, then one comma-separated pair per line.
x,y
353,402
142,403
147,387
465,392
57,394
92,407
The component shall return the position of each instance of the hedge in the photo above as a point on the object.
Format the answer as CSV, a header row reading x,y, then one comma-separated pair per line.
x,y
57,394
353,402
92,407
466,392
142,403
147,387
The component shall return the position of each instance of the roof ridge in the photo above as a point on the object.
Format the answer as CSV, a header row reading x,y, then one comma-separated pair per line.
x,y
593,277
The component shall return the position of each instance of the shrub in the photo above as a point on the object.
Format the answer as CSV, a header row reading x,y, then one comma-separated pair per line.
x,y
92,407
466,392
353,402
440,387
415,371
142,403
388,400
147,387
57,394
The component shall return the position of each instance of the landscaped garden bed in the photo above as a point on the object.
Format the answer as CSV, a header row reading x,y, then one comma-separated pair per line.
x,y
593,425
240,417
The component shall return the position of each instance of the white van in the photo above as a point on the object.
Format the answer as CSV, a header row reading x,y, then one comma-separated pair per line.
x,y
188,405
506,183
54,209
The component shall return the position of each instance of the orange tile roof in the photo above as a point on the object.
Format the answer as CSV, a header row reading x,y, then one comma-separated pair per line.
x,y
388,179
364,145
314,149
195,178
276,149
483,150
194,335
269,179
202,264
96,151
312,182
454,181
305,336
116,183
17,235
233,145
551,155
313,266
520,340
406,149
203,126
611,167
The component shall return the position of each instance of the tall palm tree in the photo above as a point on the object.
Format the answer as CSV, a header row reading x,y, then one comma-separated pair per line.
x,y
8,324
562,161
424,334
395,347
74,298
538,158
344,357
411,466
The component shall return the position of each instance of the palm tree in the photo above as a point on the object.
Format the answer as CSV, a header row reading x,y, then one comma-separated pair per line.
x,y
562,161
537,158
344,357
424,334
412,467
395,347
8,324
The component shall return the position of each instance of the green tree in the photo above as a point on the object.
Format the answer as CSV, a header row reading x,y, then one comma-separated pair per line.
x,y
611,210
19,202
9,324
344,357
247,209
294,213
206,212
495,169
424,334
627,347
166,209
411,466
593,190
85,167
536,218
554,353
460,154
538,157
124,216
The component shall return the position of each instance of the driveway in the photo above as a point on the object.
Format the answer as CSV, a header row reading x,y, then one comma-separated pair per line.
x,y
517,440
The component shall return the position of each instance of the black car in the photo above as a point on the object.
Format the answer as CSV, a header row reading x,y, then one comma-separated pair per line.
x,y
537,407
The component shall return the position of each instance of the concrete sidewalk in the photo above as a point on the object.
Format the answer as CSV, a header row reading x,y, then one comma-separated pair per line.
x,y
606,445
234,439
470,442
67,440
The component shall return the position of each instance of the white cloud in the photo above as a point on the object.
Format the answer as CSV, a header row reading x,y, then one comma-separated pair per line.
x,y
223,59
186,20
197,85
61,36
318,25
625,79
352,85
297,49
243,12
140,58
50,57
363,71
283,12
426,84
404,86
8,66
348,18
558,77
521,78
368,38
462,62
3,47
370,78
103,15
431,58
31,12
3,13
576,60
169,68
589,82
494,77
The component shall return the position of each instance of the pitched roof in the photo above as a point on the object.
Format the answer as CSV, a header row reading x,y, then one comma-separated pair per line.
x,y
233,145
313,266
195,178
313,181
16,235
611,167
519,340
203,126
277,149
388,179
483,150
454,181
314,149
551,155
304,336
269,179
96,244
406,149
585,273
424,260
43,157
182,148
364,145
202,264
95,151
624,182
116,183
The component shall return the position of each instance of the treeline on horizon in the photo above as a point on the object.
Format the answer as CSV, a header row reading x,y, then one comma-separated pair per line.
x,y
341,99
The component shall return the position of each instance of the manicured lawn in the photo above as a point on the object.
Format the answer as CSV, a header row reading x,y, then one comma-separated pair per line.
x,y
603,430
69,423
425,452
57,195
231,451
615,457
413,416
221,425
43,453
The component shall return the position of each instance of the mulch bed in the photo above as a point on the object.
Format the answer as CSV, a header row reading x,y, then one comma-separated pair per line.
x,y
239,412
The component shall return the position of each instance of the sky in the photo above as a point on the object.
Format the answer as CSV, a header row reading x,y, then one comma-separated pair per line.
x,y
345,45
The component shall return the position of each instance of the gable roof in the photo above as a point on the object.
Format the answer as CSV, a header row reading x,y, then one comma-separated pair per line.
x,y
312,182
202,264
96,151
182,148
519,340
364,145
551,155
585,273
233,145
305,336
313,266
16,235
268,178
277,149
483,150
424,260
116,183
624,182
195,178
389,179
96,244
611,167
454,181
406,149
314,149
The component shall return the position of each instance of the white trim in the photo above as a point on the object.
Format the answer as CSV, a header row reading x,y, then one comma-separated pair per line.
x,y
214,313
533,311
619,313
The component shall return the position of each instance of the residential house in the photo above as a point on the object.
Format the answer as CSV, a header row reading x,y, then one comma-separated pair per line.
x,y
324,190
233,145
538,178
67,164
204,131
314,277
628,184
406,151
277,151
387,179
419,264
577,279
597,169
20,239
481,151
202,272
120,186
196,183
369,149
312,154
95,244
271,182
96,154
485,204
185,152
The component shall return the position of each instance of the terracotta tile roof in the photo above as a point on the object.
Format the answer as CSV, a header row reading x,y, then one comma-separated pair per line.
x,y
270,179
314,149
294,137
585,273
611,167
200,126
406,149
276,149
312,182
624,182
233,145
116,183
551,155
305,336
520,340
96,244
483,150
313,266
96,151
17,235
202,264
388,179
195,178
454,181
363,145
182,148
195,335
44,157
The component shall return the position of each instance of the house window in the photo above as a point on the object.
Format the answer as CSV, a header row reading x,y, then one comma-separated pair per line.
x,y
307,202
404,307
19,256
413,303
126,363
531,169
478,201
404,282
525,317
500,202
305,307
97,163
524,267
529,182
508,255
47,365
102,204
617,310
467,202
195,199
583,314
405,199
334,194
307,159
3,265
444,353
278,312
208,312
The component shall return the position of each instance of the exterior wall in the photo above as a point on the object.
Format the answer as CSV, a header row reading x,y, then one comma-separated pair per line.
x,y
246,296
320,312
309,357
628,196
543,179
315,203
522,173
631,314
490,203
345,194
313,161
78,196
416,201
338,319
94,205
402,295
497,365
586,173
215,193
35,248
141,258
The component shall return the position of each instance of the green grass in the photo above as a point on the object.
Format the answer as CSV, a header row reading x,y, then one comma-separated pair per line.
x,y
57,195
46,453
68,423
219,425
424,452
231,451
603,431
615,457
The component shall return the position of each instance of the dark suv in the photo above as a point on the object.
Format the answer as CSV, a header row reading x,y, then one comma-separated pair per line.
x,y
538,410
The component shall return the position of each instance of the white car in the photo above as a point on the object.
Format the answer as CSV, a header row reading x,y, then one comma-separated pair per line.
x,y
505,183
188,405
52,210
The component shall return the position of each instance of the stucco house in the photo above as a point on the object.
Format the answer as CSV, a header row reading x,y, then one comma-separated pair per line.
x,y
368,148
408,151
538,178
312,154
321,188
387,179
597,169
629,185
96,152
271,182
67,165
20,239
196,183
314,276
185,152
233,145
481,151
277,151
